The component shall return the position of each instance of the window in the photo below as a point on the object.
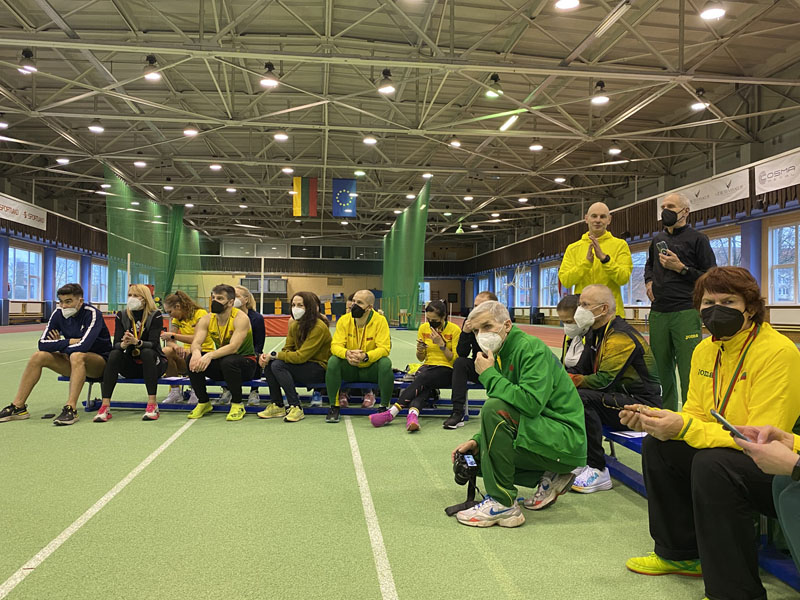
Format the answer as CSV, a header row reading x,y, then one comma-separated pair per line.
x,y
424,293
368,253
24,274
483,284
634,293
548,286
122,288
783,264
501,286
336,252
523,287
68,270
727,250
143,278
99,281
305,251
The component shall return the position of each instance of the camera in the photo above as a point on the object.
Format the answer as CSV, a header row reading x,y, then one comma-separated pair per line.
x,y
465,468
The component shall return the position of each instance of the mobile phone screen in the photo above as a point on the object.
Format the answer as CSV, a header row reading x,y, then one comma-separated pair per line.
x,y
728,427
470,460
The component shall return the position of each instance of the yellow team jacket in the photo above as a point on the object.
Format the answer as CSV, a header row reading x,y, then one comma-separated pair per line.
x,y
767,391
435,356
576,271
373,338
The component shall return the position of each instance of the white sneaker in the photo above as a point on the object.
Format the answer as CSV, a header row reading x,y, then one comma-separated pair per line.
x,y
225,398
491,512
175,396
550,488
192,398
253,399
316,398
592,480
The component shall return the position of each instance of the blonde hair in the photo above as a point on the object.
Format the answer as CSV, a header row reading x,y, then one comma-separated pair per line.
x,y
250,302
149,304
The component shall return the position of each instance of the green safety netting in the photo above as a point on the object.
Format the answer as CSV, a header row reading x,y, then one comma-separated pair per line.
x,y
148,243
404,263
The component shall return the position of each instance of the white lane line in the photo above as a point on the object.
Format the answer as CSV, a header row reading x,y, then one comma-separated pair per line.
x,y
25,570
385,577
10,362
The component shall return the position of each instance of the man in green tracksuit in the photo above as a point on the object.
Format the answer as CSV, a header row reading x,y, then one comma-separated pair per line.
x,y
532,426
678,256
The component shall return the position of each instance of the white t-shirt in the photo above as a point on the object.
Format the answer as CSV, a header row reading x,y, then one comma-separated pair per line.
x,y
574,351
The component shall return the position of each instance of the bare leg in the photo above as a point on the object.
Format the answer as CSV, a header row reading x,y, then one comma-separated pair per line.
x,y
83,364
176,363
33,371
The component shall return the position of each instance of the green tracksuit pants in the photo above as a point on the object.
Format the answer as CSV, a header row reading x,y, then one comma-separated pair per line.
x,y
502,465
673,337
379,372
786,494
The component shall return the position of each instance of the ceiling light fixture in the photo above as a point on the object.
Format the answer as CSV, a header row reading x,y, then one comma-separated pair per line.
x,y
509,122
614,150
344,223
700,104
269,79
370,140
495,215
292,193
559,179
3,122
359,173
599,97
140,164
427,175
614,16
448,214
134,203
385,85
168,188
455,142
712,10
536,146
522,200
191,131
62,161
397,212
105,186
96,126
26,64
215,167
468,198
287,170
473,226
151,72
494,90
567,4
189,205
281,136
231,190
243,206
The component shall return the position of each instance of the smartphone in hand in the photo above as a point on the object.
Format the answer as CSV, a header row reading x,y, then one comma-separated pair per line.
x,y
728,427
662,247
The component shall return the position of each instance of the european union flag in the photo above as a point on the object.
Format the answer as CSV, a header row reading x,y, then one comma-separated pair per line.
x,y
344,198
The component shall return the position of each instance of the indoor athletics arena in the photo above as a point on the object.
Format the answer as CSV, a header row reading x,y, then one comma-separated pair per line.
x,y
400,299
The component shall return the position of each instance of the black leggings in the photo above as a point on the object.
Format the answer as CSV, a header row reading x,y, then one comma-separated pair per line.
x,y
233,369
119,362
284,375
427,379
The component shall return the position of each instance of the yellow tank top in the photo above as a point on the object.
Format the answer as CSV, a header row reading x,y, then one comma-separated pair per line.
x,y
221,336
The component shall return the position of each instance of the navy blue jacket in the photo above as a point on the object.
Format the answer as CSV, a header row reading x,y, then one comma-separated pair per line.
x,y
259,330
87,325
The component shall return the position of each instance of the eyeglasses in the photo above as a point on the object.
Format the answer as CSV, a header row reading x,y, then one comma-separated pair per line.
x,y
615,402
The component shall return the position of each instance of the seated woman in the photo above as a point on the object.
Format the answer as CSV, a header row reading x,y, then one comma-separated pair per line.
x,y
185,314
572,348
303,359
702,491
245,299
437,339
136,351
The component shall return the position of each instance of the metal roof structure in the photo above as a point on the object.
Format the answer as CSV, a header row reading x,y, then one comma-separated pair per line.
x,y
653,59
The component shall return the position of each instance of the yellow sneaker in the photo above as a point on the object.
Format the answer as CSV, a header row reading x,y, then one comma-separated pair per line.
x,y
272,411
652,564
236,413
201,409
294,415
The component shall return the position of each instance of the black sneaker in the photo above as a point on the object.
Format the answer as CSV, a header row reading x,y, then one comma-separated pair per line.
x,y
333,415
67,417
454,421
13,413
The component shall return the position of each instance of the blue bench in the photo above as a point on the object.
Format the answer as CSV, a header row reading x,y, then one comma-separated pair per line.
x,y
770,559
92,404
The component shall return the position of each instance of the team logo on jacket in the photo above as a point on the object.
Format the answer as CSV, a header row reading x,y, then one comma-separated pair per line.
x,y
704,373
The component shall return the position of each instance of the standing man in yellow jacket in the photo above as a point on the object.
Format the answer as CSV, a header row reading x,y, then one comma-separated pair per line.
x,y
598,257
360,352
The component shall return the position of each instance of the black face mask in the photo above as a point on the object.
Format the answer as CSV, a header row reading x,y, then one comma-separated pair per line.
x,y
722,321
435,324
669,217
217,307
357,311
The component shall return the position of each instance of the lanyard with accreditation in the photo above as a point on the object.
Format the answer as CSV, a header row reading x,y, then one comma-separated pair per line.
x,y
722,403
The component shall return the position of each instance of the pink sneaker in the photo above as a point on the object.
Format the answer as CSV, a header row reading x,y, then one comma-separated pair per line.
x,y
412,422
103,415
344,400
150,413
382,418
369,400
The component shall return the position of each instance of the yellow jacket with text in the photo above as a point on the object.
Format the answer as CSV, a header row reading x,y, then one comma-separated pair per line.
x,y
766,392
373,338
576,271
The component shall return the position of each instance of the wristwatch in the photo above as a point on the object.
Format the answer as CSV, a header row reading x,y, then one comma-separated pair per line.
x,y
366,358
796,471
606,259
684,271
172,337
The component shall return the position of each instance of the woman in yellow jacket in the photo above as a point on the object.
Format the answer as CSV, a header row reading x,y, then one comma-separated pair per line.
x,y
701,489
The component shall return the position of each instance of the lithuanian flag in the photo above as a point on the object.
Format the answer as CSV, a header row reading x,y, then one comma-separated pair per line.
x,y
304,203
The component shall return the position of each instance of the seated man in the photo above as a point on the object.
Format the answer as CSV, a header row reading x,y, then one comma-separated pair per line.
x,y
464,367
234,358
531,427
616,368
75,343
360,352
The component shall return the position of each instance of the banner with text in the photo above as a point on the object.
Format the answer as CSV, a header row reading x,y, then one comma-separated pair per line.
x,y
778,173
713,192
20,212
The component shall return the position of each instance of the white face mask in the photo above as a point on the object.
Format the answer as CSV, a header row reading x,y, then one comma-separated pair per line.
x,y
134,303
69,312
574,331
298,312
237,303
489,342
584,318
